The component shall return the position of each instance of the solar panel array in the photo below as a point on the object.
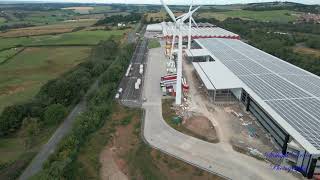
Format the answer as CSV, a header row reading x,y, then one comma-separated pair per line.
x,y
169,29
291,92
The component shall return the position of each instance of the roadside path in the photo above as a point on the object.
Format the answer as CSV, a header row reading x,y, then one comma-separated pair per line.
x,y
36,164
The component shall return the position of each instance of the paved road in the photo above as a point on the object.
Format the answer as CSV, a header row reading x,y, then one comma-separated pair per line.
x,y
131,97
211,157
49,148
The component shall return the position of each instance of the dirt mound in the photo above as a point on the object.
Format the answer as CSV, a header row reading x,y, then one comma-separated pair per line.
x,y
201,126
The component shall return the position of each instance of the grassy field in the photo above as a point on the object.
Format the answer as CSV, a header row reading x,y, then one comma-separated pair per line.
x,y
22,76
38,17
309,51
153,43
282,16
74,38
100,9
4,55
16,152
2,20
156,16
80,10
62,27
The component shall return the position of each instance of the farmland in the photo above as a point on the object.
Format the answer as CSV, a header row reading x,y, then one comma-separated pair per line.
x,y
4,55
39,43
2,20
74,38
22,76
38,17
80,10
62,27
281,16
101,9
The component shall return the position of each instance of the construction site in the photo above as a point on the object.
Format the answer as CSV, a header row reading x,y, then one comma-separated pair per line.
x,y
250,101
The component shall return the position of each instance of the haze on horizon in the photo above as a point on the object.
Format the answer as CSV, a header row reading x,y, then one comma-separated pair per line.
x,y
172,2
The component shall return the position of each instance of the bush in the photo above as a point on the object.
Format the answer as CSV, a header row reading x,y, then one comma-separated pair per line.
x,y
54,114
314,43
11,118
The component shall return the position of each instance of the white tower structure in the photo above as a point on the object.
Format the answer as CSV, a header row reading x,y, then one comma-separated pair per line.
x,y
178,26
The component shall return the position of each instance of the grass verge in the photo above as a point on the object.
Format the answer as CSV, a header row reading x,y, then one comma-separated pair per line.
x,y
153,43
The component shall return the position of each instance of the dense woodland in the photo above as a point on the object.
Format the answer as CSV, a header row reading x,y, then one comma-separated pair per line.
x,y
115,19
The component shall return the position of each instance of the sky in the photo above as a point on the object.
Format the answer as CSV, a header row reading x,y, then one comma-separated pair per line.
x,y
172,1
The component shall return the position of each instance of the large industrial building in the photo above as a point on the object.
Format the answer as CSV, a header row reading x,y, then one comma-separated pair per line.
x,y
284,99
204,30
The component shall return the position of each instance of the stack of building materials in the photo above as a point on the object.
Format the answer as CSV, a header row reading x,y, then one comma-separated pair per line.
x,y
171,67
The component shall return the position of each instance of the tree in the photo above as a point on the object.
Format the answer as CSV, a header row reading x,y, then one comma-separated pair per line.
x,y
54,114
11,118
32,127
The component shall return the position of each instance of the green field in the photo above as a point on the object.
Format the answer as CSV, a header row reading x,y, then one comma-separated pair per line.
x,y
74,38
153,43
14,150
282,16
22,76
100,9
2,20
4,55
38,17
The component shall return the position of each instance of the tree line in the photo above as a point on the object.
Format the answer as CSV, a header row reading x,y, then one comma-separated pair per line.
x,y
115,19
283,6
62,165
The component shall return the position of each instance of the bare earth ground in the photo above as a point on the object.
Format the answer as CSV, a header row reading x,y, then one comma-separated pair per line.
x,y
119,159
243,134
201,126
113,154
109,169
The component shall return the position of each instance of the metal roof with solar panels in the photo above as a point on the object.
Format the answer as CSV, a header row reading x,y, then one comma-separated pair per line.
x,y
202,31
290,95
